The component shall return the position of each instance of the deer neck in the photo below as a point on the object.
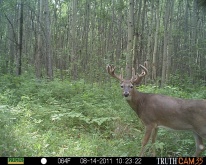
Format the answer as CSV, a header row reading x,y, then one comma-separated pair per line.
x,y
135,100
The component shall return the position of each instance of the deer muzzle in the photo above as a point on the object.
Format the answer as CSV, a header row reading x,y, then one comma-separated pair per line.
x,y
126,94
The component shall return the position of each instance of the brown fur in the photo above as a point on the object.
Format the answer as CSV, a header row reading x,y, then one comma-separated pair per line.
x,y
159,110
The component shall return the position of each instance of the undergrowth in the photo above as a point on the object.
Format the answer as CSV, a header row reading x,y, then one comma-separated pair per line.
x,y
75,118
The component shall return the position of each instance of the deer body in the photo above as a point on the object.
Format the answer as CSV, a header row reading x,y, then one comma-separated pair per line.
x,y
156,110
168,111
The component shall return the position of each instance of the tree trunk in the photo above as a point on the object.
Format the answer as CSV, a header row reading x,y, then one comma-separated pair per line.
x,y
194,38
149,41
74,39
164,60
170,45
154,55
38,48
11,43
20,42
48,41
130,40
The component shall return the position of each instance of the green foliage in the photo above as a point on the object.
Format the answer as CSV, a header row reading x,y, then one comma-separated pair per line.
x,y
73,118
185,82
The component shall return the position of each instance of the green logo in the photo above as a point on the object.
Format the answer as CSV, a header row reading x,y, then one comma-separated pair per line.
x,y
15,160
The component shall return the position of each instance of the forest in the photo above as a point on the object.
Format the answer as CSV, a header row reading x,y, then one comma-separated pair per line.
x,y
56,97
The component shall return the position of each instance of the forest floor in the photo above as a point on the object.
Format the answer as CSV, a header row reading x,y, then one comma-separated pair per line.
x,y
64,118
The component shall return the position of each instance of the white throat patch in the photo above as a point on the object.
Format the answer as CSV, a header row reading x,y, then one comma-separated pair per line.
x,y
128,98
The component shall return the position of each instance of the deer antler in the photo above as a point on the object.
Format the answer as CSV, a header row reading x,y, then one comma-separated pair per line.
x,y
136,79
111,69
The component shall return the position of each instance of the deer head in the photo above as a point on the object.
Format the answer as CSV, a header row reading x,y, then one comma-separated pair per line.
x,y
127,85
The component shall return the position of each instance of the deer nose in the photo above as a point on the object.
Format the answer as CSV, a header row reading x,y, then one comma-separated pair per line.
x,y
126,94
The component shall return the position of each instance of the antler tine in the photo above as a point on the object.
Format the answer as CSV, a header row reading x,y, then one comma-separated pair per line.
x,y
137,78
144,72
111,69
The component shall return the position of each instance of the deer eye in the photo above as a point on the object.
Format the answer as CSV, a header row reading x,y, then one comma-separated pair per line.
x,y
121,86
131,86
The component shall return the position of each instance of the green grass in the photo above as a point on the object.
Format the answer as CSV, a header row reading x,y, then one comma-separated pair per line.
x,y
66,118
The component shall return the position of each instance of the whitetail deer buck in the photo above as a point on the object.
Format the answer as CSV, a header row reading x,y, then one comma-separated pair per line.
x,y
159,110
